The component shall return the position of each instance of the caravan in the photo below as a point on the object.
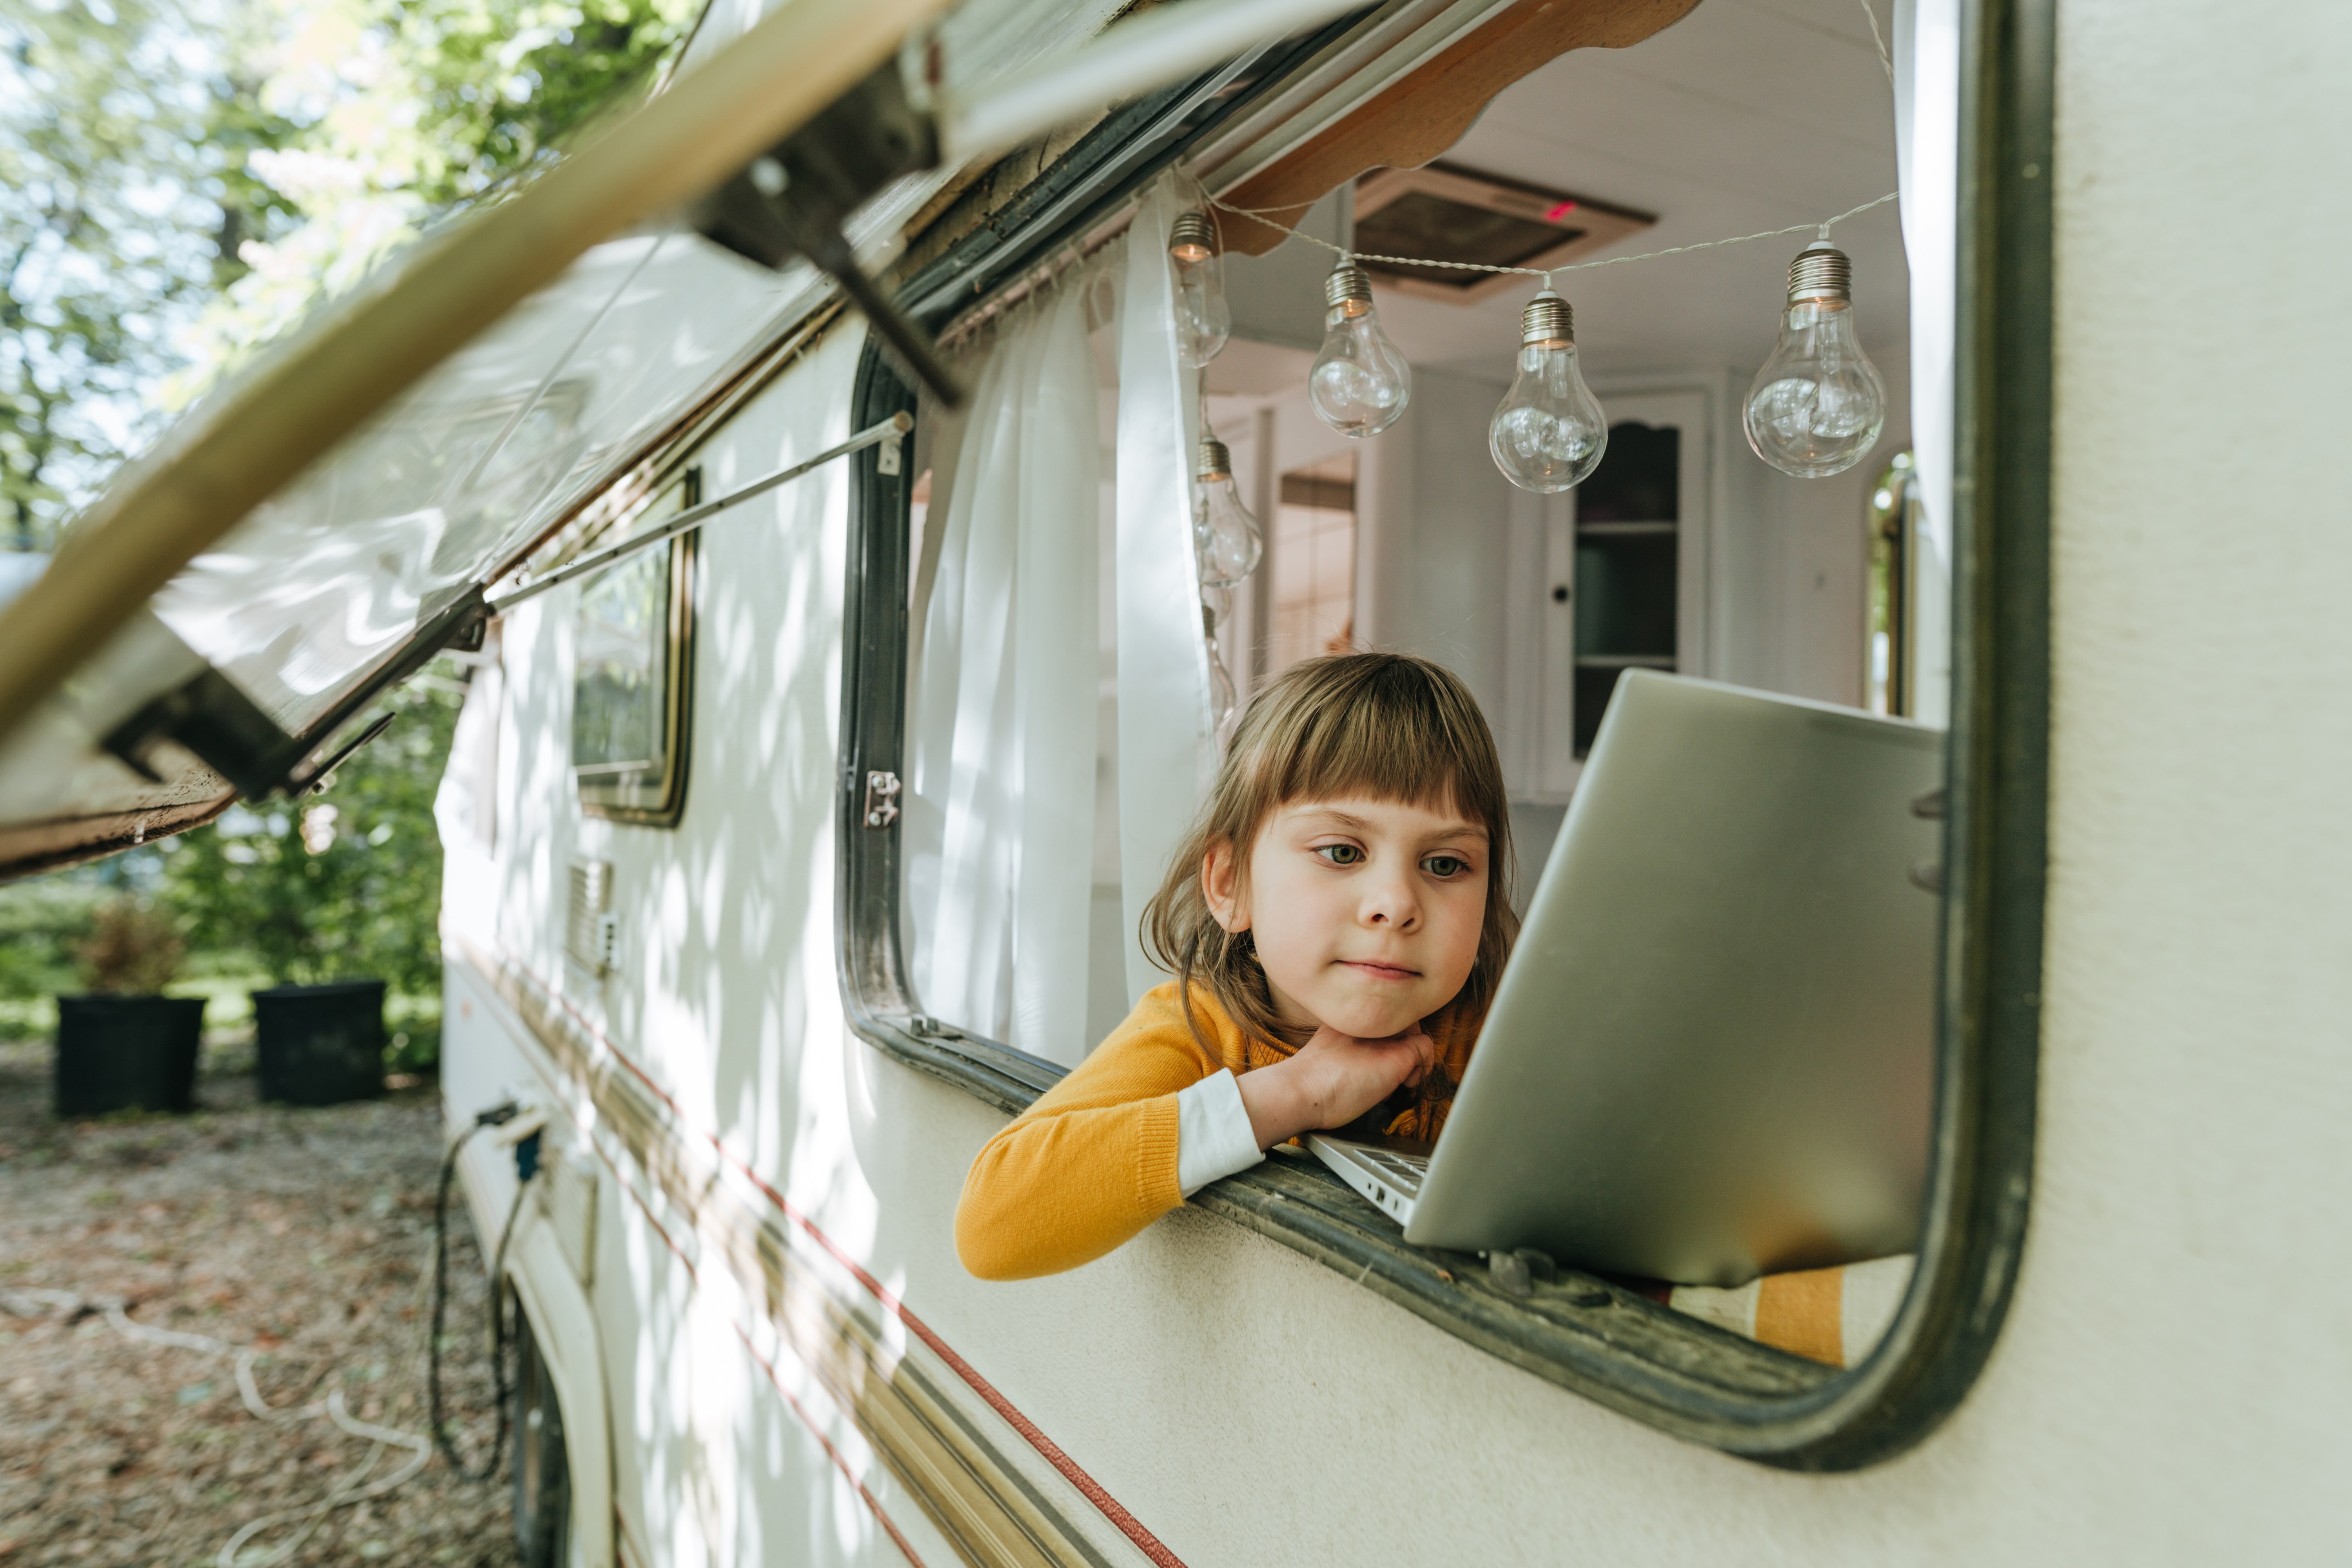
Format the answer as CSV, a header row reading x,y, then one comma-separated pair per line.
x,y
846,658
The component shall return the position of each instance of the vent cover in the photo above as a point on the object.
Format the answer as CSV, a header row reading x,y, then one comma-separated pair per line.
x,y
589,928
1447,213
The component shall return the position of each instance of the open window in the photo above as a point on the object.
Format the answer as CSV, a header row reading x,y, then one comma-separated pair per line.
x,y
1652,556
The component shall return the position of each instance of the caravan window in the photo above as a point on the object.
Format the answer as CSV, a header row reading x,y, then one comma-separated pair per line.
x,y
1027,672
633,667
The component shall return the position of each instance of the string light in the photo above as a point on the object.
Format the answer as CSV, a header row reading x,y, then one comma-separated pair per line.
x,y
1538,435
1225,538
1204,320
1264,216
1548,434
1360,383
1227,545
1818,403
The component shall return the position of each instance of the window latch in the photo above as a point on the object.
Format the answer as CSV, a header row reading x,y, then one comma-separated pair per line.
x,y
881,798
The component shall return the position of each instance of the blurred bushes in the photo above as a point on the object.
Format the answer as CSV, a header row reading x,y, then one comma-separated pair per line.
x,y
344,884
133,948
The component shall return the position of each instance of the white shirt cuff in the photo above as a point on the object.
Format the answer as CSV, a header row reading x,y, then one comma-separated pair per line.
x,y
1212,1133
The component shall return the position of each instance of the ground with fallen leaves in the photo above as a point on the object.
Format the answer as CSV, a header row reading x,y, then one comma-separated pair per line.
x,y
305,1235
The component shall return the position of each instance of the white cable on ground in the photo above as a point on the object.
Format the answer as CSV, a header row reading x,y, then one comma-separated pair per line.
x,y
35,1303
316,1513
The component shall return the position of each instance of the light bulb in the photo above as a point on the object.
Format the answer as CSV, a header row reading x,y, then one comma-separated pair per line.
x,y
1224,698
1549,432
1226,537
1360,384
1203,319
1818,403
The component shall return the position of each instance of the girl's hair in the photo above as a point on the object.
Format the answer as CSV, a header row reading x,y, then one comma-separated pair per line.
x,y
1380,725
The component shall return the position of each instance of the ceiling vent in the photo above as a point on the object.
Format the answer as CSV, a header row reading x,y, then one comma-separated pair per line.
x,y
1446,213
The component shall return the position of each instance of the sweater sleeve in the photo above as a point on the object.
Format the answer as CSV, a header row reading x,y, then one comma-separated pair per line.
x,y
1089,1164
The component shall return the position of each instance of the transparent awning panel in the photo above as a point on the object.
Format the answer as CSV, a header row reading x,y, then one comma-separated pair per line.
x,y
327,580
332,574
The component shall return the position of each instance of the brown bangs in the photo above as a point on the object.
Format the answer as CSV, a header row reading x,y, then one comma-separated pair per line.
x,y
1378,726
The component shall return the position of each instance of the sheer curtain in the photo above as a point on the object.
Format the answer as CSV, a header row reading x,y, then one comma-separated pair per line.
x,y
1001,759
1167,739
1005,714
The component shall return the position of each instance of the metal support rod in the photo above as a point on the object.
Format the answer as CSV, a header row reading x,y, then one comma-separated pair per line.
x,y
894,428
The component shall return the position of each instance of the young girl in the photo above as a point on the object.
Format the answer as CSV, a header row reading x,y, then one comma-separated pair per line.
x,y
1337,922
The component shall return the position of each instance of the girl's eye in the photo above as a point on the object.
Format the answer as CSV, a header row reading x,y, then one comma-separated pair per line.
x,y
1341,854
1445,865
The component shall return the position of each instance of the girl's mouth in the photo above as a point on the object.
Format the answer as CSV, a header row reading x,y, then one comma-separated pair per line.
x,y
1379,971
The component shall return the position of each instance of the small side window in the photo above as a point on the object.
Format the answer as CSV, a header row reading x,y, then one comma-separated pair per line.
x,y
633,668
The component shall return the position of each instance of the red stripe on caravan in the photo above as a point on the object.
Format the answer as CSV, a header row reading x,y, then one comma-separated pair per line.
x,y
873,1505
844,1465
1129,1525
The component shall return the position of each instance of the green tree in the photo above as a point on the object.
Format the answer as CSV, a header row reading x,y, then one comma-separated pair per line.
x,y
342,885
112,228
180,180
401,111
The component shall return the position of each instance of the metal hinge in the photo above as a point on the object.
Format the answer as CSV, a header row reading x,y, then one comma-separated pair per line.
x,y
881,799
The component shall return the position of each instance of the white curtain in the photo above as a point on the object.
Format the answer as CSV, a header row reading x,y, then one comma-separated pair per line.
x,y
1926,153
1001,761
1167,739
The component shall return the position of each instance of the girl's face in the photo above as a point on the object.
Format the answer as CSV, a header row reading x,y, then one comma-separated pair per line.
x,y
1367,912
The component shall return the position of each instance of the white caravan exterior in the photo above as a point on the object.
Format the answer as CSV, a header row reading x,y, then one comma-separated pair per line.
x,y
2123,1340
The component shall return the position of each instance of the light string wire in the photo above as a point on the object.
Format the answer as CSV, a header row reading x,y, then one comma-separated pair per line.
x,y
1262,216
1885,60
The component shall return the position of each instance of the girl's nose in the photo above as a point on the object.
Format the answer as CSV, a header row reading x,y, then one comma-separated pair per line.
x,y
1389,902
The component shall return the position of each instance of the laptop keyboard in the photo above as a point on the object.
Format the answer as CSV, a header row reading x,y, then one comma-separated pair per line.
x,y
1403,1172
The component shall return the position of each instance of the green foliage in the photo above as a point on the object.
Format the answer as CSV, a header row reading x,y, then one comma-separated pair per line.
x,y
344,885
499,88
398,111
181,179
133,948
108,235
43,922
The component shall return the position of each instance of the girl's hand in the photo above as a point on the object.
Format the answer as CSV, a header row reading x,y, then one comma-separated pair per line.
x,y
1332,1079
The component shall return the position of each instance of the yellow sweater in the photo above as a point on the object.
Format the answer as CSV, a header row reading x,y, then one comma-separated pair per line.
x,y
1094,1160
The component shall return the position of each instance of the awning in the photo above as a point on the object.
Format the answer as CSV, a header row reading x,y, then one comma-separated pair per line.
x,y
318,529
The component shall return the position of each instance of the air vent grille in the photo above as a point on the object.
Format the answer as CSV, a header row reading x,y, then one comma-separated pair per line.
x,y
1447,213
589,928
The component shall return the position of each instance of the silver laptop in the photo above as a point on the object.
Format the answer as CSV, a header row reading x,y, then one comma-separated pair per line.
x,y
1711,1054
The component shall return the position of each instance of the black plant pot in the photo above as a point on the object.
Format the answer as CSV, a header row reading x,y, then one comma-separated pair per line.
x,y
127,1053
319,1045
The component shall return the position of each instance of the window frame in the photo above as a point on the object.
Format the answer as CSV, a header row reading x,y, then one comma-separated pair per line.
x,y
1587,1334
611,797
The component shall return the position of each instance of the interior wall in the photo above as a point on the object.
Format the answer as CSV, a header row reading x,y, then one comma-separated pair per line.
x,y
1789,580
1277,298
1433,534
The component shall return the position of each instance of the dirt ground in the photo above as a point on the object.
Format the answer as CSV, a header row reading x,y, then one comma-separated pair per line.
x,y
304,1234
